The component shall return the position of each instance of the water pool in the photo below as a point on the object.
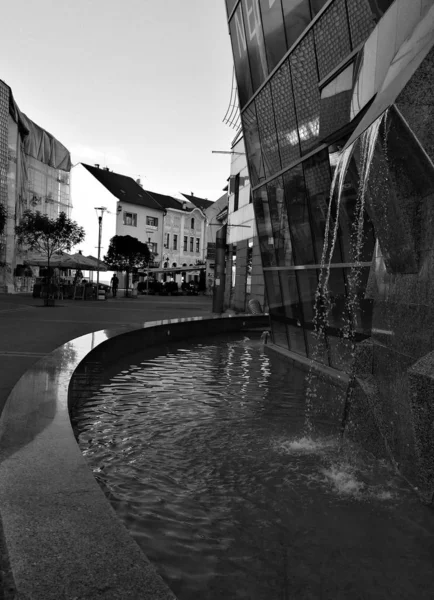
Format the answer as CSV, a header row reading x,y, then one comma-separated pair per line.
x,y
200,449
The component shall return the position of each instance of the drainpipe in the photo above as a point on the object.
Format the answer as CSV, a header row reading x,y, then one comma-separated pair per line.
x,y
219,270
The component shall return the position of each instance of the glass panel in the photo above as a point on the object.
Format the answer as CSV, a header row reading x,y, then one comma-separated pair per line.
x,y
316,6
274,295
274,31
349,229
296,339
230,5
279,335
298,215
307,285
306,91
279,222
297,17
291,301
267,131
361,19
337,315
336,103
255,42
361,298
284,112
317,347
332,47
263,224
318,182
241,60
339,352
253,145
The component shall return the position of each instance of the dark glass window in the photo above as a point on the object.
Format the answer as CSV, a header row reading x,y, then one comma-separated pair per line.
x,y
337,294
263,223
241,59
291,301
284,111
332,37
191,244
297,17
236,191
361,19
185,243
255,42
279,335
279,223
336,102
274,31
298,215
306,91
360,290
307,284
318,183
267,131
253,144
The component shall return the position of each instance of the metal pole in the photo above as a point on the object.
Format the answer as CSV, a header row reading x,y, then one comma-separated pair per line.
x,y
99,252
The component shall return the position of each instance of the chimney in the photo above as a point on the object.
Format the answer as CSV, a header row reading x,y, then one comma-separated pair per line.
x,y
97,166
139,182
106,169
184,206
191,193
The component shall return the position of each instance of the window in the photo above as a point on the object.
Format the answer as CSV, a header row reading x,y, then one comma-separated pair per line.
x,y
185,243
152,221
236,191
152,247
197,245
175,242
191,244
166,240
130,219
192,224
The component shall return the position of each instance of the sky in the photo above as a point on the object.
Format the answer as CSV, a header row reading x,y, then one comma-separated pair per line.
x,y
139,86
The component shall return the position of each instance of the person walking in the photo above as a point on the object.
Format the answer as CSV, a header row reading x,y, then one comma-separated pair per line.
x,y
114,284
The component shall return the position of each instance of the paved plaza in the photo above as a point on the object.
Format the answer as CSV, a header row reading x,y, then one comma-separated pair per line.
x,y
29,330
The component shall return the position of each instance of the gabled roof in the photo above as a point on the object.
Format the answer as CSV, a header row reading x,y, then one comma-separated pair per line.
x,y
201,203
124,188
167,201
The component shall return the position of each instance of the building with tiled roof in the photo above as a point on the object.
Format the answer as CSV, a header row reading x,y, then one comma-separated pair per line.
x,y
202,203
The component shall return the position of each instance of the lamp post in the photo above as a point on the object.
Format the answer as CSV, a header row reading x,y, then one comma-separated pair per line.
x,y
99,215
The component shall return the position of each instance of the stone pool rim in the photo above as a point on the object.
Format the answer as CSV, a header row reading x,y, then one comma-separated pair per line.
x,y
61,535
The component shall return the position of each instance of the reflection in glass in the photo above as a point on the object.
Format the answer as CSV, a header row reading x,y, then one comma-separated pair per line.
x,y
306,91
274,31
296,339
253,145
267,131
297,17
279,335
284,113
336,102
255,42
307,284
316,6
291,301
241,60
230,5
279,223
318,182
274,295
298,212
263,223
361,20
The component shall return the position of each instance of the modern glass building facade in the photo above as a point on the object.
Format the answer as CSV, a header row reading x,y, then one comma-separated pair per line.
x,y
296,63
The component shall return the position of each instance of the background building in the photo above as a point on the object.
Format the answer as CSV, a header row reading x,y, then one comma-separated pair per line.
x,y
216,216
34,174
244,276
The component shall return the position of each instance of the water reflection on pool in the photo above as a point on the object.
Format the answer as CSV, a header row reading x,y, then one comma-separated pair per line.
x,y
201,452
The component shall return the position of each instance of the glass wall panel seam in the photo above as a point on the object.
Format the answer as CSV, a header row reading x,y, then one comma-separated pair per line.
x,y
233,11
290,50
318,266
349,25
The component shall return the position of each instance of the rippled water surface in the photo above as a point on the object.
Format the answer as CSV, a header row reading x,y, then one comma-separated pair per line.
x,y
200,449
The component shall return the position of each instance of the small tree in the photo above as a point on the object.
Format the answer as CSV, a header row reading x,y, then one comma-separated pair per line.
x,y
126,253
48,236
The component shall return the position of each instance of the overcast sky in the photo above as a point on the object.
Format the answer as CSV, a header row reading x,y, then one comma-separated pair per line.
x,y
140,86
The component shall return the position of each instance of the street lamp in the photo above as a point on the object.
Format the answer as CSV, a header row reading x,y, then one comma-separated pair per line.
x,y
99,215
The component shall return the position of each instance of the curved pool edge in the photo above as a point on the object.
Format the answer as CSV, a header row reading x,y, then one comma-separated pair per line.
x,y
62,537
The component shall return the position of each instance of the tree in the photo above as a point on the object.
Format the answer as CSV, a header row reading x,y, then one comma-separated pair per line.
x,y
48,236
127,253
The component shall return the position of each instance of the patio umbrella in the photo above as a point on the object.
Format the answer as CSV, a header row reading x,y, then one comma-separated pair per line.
x,y
102,265
78,261
39,260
